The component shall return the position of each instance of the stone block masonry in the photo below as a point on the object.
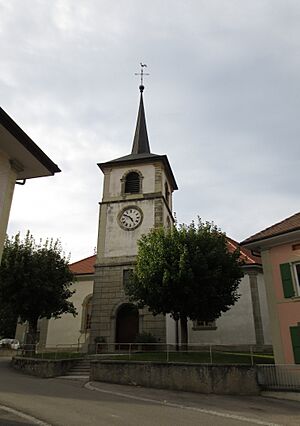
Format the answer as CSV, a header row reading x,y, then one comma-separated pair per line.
x,y
108,297
202,378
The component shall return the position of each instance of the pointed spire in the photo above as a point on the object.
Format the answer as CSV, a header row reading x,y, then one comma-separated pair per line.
x,y
140,142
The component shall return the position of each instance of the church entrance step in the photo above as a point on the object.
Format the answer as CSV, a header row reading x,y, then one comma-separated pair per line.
x,y
81,368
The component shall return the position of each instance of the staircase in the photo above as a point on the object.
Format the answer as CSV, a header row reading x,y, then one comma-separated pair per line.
x,y
80,370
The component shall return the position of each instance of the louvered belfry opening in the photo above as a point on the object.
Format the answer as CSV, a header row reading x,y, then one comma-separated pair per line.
x,y
132,183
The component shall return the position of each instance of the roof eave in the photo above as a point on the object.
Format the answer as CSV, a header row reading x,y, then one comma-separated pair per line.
x,y
23,139
144,160
285,237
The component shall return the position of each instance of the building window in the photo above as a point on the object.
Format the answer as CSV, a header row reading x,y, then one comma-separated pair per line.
x,y
295,337
290,278
132,183
204,325
127,274
87,314
297,277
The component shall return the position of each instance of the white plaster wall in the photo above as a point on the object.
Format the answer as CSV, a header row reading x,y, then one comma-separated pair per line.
x,y
120,242
7,185
264,309
66,330
148,182
234,327
21,332
170,330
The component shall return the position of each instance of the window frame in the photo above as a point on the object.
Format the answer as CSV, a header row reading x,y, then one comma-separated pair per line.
x,y
127,274
124,180
86,318
207,325
290,279
296,278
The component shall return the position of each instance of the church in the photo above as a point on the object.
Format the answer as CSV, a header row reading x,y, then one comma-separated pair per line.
x,y
137,196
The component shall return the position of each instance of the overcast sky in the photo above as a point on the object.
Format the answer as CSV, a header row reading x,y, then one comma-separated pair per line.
x,y
222,101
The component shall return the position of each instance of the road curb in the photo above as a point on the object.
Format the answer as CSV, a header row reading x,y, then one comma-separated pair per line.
x,y
24,416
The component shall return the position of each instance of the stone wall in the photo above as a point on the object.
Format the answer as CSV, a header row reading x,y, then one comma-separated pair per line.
x,y
108,297
217,379
7,352
43,367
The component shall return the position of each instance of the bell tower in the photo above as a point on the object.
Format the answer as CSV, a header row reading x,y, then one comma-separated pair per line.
x,y
137,196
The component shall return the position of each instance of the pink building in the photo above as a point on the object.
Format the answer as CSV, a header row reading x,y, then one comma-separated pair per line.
x,y
279,247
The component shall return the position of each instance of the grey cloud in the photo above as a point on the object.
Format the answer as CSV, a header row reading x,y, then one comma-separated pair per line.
x,y
222,102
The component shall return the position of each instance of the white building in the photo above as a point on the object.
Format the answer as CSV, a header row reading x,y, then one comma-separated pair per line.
x,y
20,159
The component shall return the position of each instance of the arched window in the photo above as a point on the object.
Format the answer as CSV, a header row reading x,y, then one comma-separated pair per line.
x,y
87,314
132,183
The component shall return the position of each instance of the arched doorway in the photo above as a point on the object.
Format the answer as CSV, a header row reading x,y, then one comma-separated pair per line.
x,y
127,323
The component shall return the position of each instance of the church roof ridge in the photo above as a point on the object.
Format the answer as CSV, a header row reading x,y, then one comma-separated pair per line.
x,y
86,266
83,266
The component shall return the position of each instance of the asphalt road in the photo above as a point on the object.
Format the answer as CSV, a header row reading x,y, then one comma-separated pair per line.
x,y
65,402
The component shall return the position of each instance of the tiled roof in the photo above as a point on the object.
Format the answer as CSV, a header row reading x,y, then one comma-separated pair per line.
x,y
84,266
290,224
245,254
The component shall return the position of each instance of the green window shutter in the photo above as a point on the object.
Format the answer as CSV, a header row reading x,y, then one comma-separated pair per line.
x,y
287,280
295,336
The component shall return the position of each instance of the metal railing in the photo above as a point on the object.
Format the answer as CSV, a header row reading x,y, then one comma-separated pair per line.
x,y
285,377
204,353
198,353
51,352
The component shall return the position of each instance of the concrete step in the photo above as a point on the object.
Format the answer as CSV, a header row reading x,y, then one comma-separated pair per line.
x,y
81,368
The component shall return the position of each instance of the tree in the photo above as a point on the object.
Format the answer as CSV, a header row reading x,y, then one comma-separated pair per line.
x,y
8,320
35,281
186,271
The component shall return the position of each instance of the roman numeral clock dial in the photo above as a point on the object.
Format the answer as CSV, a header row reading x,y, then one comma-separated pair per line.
x,y
130,218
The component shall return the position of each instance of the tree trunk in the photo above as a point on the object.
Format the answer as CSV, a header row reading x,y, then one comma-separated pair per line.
x,y
31,338
184,332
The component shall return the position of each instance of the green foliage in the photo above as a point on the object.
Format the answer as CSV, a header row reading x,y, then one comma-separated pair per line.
x,y
8,321
35,279
185,271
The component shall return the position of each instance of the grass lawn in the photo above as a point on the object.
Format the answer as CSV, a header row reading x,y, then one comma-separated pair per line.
x,y
200,357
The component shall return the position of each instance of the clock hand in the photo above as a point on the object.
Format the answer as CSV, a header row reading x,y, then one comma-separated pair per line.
x,y
126,215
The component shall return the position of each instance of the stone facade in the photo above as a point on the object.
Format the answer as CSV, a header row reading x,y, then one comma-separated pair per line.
x,y
108,297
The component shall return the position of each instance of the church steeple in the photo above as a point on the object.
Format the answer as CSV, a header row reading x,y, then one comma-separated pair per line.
x,y
141,142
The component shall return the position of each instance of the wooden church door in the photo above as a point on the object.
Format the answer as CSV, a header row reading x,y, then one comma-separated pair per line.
x,y
127,323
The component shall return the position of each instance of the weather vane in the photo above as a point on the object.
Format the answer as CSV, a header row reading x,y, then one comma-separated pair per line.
x,y
141,74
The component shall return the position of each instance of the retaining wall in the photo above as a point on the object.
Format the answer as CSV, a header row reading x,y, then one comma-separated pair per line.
x,y
202,378
43,367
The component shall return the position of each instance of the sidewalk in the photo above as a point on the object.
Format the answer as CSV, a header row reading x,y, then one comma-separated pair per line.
x,y
289,396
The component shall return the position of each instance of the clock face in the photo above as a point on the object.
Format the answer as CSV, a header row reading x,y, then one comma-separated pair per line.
x,y
130,218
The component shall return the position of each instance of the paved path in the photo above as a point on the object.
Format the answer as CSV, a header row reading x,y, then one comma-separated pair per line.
x,y
62,402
